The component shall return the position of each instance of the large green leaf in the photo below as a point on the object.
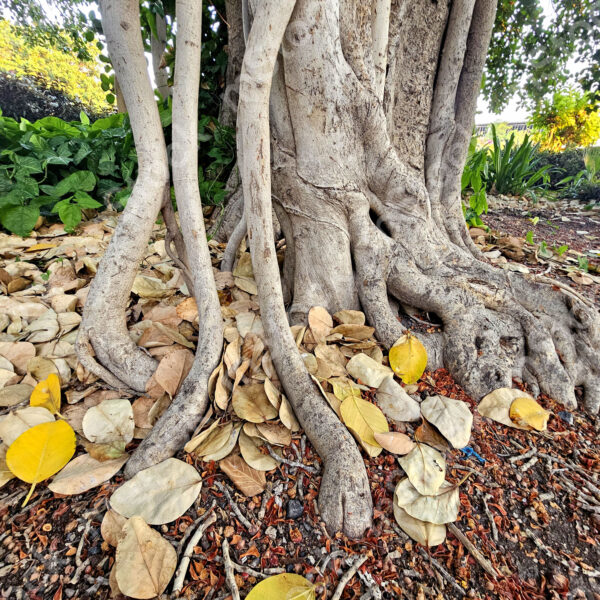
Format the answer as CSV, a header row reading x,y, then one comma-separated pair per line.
x,y
77,181
19,219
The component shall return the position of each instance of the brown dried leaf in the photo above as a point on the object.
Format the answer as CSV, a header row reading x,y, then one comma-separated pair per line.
x,y
248,480
320,323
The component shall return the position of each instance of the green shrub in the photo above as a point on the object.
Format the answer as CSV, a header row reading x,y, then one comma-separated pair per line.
x,y
514,169
562,164
54,167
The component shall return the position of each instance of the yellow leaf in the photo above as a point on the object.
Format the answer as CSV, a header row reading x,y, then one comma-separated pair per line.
x,y
526,412
47,394
408,359
364,419
41,452
286,586
43,246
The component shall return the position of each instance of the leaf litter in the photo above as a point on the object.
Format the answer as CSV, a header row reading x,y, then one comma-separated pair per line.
x,y
164,322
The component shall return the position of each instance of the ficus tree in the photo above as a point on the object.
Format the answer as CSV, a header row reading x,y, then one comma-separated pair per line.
x,y
353,124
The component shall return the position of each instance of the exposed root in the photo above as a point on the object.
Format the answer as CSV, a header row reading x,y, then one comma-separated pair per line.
x,y
346,507
239,233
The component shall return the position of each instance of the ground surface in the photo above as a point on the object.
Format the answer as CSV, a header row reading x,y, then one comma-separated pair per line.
x,y
536,518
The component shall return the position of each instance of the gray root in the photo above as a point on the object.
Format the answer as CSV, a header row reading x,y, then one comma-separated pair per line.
x,y
178,422
239,233
110,289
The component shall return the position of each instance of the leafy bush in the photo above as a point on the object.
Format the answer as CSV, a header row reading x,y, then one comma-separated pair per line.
x,y
570,118
54,167
473,184
514,169
561,164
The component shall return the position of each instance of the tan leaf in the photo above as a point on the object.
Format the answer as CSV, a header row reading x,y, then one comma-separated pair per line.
x,y
253,456
11,395
5,473
141,407
424,533
350,317
18,422
287,416
173,369
110,421
18,353
248,480
368,371
84,473
39,368
195,442
452,418
428,434
496,405
425,467
273,394
111,527
320,323
159,494
395,403
188,310
394,442
275,433
250,402
354,332
145,562
439,508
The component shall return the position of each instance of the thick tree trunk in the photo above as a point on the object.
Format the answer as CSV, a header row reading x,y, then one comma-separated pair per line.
x,y
364,176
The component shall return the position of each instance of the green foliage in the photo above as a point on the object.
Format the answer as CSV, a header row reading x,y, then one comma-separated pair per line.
x,y
562,164
473,184
50,67
513,168
53,167
536,47
568,119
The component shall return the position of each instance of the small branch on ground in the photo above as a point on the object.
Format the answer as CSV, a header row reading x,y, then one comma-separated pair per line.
x,y
229,576
348,575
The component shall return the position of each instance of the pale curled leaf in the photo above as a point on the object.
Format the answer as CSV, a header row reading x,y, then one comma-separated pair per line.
x,y
453,418
425,468
111,527
84,473
394,442
496,405
160,494
320,323
439,508
250,402
145,562
253,456
367,370
109,421
425,533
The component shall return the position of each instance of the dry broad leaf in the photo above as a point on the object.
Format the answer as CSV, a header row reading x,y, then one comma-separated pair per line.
x,y
5,473
496,405
453,418
285,586
110,421
159,494
364,419
111,527
250,402
394,442
369,371
40,452
439,508
47,394
248,480
18,422
425,467
145,561
320,323
253,456
395,403
527,413
427,534
15,394
428,434
84,473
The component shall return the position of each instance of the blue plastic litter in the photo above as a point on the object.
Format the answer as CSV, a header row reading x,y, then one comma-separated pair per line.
x,y
470,453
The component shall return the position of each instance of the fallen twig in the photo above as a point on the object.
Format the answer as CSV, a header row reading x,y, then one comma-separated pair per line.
x,y
192,528
189,551
229,576
443,572
347,576
490,517
236,509
525,467
291,463
485,564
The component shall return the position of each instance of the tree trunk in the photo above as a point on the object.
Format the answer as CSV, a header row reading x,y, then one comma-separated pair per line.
x,y
357,131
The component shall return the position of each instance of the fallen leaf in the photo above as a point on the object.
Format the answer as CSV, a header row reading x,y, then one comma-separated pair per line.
x,y
145,562
275,433
424,533
394,442
43,328
428,434
320,323
40,452
84,473
353,331
287,416
159,494
40,368
16,423
285,586
250,402
425,468
111,527
496,405
367,370
5,473
408,358
350,317
452,418
47,394
527,413
15,394
439,508
173,369
18,353
109,421
104,452
395,403
248,480
363,419
221,442
253,456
